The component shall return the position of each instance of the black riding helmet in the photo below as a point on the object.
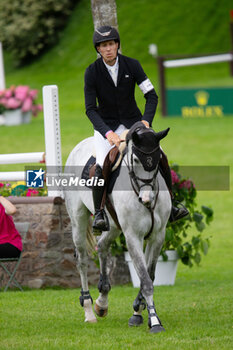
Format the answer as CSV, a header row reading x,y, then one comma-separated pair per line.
x,y
105,33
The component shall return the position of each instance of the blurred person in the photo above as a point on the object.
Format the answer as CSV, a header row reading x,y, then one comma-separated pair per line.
x,y
111,107
10,239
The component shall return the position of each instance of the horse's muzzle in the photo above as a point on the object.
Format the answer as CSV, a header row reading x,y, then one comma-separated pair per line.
x,y
146,198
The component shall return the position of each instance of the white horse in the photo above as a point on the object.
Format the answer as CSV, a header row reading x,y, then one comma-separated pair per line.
x,y
143,207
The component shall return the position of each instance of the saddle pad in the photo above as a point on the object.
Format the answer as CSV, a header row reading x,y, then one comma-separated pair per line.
x,y
111,181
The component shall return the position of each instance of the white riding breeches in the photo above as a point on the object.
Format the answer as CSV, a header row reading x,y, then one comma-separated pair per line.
x,y
102,146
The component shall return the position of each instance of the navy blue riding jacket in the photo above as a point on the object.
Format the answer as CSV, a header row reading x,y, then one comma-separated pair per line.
x,y
107,105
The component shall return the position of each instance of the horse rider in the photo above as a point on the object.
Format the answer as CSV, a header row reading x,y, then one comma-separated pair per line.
x,y
111,80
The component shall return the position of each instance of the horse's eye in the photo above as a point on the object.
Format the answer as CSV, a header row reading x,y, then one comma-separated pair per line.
x,y
136,160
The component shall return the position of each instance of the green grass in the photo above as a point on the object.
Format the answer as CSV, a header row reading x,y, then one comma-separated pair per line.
x,y
196,315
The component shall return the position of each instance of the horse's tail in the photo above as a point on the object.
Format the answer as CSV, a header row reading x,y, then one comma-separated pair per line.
x,y
91,240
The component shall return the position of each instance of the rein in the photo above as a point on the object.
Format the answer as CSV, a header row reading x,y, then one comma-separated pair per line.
x,y
146,182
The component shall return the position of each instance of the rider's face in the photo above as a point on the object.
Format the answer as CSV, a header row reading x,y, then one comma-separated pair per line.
x,y
108,50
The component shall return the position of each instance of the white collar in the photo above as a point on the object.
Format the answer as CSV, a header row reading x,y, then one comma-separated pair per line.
x,y
112,67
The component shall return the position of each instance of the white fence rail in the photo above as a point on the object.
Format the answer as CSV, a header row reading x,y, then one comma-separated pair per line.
x,y
12,176
173,62
19,158
198,60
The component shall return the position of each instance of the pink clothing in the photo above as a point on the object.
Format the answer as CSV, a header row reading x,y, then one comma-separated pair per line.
x,y
8,232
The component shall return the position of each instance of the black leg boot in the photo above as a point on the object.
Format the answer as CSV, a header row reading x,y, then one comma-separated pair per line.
x,y
100,222
177,213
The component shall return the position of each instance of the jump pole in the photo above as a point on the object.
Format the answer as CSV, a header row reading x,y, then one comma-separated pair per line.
x,y
12,176
52,135
17,158
2,73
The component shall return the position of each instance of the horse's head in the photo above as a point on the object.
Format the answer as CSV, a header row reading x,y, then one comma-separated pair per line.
x,y
143,160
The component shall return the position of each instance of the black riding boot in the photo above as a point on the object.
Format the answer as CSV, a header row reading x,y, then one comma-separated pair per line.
x,y
100,222
176,213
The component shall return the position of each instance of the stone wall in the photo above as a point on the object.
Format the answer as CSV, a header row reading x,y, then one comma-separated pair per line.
x,y
48,253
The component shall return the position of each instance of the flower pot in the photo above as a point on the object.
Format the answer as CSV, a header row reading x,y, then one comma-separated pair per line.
x,y
13,117
165,270
26,117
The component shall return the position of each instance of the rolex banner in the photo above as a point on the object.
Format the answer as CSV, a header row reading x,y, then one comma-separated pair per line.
x,y
202,103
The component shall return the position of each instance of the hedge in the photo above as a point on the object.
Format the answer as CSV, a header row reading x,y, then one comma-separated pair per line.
x,y
30,26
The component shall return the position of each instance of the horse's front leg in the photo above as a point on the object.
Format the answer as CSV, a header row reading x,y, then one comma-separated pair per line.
x,y
139,305
152,252
153,249
101,305
135,247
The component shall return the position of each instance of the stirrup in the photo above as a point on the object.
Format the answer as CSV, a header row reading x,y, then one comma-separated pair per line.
x,y
102,225
178,213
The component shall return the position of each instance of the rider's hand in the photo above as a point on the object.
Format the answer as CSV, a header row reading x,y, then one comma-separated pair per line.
x,y
146,123
113,139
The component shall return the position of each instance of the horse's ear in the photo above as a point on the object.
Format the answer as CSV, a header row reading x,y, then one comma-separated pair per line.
x,y
161,134
135,138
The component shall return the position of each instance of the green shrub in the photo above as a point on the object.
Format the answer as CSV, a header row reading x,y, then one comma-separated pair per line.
x,y
29,26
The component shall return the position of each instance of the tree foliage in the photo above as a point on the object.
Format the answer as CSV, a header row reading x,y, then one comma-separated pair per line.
x,y
29,26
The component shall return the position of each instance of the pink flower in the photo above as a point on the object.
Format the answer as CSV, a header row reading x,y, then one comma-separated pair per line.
x,y
21,92
32,193
175,178
20,97
1,184
186,184
35,192
3,101
33,94
27,105
13,103
8,93
28,194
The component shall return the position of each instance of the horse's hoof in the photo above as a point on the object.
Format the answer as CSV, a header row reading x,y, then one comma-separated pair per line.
x,y
100,311
157,329
135,321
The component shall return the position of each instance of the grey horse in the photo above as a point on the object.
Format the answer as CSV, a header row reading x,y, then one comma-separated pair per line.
x,y
142,203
